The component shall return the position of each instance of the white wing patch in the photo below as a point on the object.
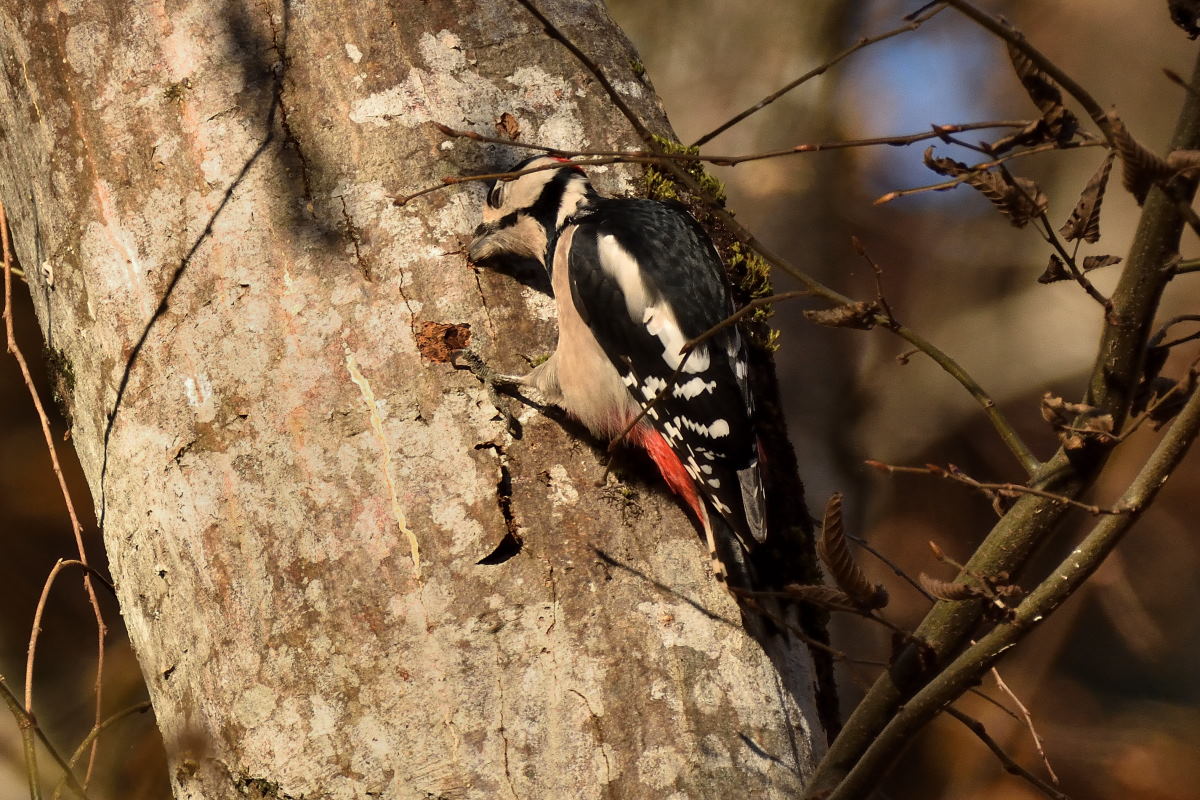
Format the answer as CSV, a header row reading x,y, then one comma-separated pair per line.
x,y
694,387
658,317
716,430
653,387
621,266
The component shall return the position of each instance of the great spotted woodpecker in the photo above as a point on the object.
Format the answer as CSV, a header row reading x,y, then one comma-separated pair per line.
x,y
633,281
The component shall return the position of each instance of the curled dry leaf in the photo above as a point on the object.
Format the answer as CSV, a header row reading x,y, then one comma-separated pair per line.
x,y
949,590
1096,262
507,126
1059,411
1060,122
860,315
1084,222
835,555
1140,168
1020,199
1056,270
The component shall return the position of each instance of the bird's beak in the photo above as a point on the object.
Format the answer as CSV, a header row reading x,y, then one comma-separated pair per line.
x,y
481,246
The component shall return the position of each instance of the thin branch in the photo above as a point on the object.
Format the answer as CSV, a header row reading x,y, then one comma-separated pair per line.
x,y
30,730
1008,434
591,66
750,599
975,169
31,650
76,528
600,157
136,708
965,670
991,489
1010,766
865,545
1028,718
1187,265
866,41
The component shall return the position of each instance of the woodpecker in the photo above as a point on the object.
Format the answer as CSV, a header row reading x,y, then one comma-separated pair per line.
x,y
633,281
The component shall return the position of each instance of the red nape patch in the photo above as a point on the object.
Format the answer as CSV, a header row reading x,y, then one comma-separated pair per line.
x,y
670,467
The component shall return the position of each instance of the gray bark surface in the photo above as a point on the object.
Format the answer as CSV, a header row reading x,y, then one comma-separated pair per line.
x,y
294,498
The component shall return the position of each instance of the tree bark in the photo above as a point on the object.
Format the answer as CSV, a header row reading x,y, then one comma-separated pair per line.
x,y
295,489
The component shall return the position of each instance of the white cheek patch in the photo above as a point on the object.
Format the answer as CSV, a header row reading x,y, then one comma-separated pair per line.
x,y
573,197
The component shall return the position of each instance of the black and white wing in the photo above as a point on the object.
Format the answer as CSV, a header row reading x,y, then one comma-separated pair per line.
x,y
646,279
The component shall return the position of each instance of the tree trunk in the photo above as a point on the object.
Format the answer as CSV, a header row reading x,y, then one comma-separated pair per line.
x,y
295,488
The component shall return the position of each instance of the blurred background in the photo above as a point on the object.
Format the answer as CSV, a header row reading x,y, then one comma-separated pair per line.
x,y
1110,680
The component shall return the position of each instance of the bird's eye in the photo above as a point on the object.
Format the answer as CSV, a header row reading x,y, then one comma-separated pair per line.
x,y
496,195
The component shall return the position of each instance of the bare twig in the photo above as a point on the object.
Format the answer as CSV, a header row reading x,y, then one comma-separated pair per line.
x,y
1010,766
751,600
76,528
1079,565
30,731
982,166
865,545
31,650
953,473
866,41
136,708
585,158
618,101
1028,719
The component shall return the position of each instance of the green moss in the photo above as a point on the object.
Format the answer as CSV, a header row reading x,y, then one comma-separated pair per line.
x,y
639,69
665,188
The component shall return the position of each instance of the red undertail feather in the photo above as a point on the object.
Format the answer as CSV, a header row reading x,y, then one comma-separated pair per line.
x,y
671,469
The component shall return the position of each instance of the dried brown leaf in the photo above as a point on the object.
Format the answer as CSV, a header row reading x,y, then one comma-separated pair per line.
x,y
507,126
1186,14
1035,132
1019,198
1060,122
1140,168
1056,270
1057,410
820,595
835,555
949,590
860,315
1076,423
1096,262
944,165
1084,222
